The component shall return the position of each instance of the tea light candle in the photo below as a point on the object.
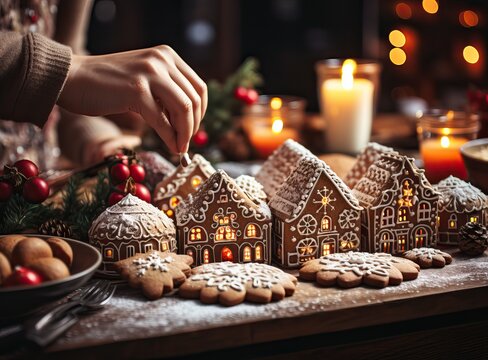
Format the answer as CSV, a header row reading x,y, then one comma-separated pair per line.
x,y
267,139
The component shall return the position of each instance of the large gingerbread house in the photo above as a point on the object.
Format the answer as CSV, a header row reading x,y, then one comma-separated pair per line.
x,y
459,203
182,182
400,206
280,165
314,214
221,222
130,227
371,153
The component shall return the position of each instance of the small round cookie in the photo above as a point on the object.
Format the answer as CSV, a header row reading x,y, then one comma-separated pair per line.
x,y
155,272
428,257
49,268
5,268
230,284
30,249
355,268
7,244
61,250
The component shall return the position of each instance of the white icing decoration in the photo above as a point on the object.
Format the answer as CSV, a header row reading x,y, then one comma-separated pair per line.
x,y
152,262
361,263
458,196
424,252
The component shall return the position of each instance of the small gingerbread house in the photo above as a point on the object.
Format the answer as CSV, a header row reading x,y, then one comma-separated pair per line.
x,y
459,203
371,153
220,222
400,206
280,165
129,227
314,214
182,182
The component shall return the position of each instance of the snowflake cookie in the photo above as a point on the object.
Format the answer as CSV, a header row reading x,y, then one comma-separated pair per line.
x,y
155,272
354,268
428,257
230,284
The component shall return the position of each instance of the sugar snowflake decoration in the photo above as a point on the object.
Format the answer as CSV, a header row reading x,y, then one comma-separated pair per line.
x,y
326,199
152,261
423,251
360,263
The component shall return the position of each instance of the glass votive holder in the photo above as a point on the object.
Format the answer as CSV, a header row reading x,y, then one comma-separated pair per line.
x,y
441,134
272,120
347,91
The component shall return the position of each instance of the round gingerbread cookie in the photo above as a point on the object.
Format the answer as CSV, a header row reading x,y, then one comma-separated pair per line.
x,y
355,268
49,268
5,268
30,249
7,244
230,284
428,257
61,250
155,272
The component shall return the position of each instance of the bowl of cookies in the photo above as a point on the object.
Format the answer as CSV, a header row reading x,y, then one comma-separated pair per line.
x,y
35,269
475,156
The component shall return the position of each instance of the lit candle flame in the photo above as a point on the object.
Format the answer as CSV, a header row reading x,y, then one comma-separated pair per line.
x,y
348,69
446,131
277,126
276,103
445,141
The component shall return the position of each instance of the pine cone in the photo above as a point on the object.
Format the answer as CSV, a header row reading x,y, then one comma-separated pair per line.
x,y
56,227
473,239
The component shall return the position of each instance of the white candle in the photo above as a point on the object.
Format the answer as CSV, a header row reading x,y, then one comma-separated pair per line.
x,y
347,105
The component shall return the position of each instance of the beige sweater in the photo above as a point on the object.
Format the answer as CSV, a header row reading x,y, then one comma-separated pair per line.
x,y
33,69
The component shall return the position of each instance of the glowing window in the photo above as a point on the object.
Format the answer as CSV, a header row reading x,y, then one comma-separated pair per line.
x,y
258,252
225,233
164,246
247,253
401,243
325,223
109,253
174,201
251,230
420,237
452,224
206,256
196,181
424,211
224,220
473,219
387,217
402,214
196,234
326,249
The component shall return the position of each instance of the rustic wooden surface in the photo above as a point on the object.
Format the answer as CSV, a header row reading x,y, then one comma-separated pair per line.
x,y
131,326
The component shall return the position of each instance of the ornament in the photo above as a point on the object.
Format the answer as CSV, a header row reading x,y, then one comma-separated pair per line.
x,y
114,198
119,173
6,190
35,190
56,227
22,276
200,139
137,172
251,97
143,193
240,93
27,168
473,239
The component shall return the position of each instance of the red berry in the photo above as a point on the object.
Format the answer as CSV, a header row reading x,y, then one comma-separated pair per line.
x,y
143,193
114,198
6,190
22,276
251,97
201,138
27,168
35,190
137,172
123,157
119,172
240,93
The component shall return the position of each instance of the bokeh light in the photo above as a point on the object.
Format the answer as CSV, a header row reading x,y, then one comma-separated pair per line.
x,y
430,6
468,18
403,11
471,54
398,56
397,38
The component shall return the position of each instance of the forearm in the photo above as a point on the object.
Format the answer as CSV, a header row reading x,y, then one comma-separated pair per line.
x,y
33,71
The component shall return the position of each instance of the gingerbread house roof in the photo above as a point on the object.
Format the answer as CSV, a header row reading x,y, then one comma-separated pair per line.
x,y
195,207
291,198
372,152
251,186
131,219
170,185
381,176
280,165
458,196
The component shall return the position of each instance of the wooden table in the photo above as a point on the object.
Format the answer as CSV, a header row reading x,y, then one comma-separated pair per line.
x,y
443,312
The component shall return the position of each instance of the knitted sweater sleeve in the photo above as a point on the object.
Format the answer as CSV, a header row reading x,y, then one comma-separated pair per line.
x,y
33,70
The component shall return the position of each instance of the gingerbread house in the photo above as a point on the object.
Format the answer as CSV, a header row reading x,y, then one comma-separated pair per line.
x,y
400,206
182,182
129,227
371,153
459,203
280,165
220,222
314,214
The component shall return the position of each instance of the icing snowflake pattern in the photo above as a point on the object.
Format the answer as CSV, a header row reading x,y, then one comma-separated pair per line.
x,y
429,253
227,275
358,262
152,262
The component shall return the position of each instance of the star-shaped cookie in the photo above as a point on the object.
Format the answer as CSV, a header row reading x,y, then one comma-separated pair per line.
x,y
230,284
354,268
428,257
155,272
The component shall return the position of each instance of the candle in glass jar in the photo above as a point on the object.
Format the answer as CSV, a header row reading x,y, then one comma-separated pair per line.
x,y
348,110
442,158
267,139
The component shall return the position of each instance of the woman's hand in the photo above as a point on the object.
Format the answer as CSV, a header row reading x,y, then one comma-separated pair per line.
x,y
153,83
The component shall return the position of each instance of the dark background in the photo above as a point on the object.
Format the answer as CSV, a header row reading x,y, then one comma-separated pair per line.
x,y
289,36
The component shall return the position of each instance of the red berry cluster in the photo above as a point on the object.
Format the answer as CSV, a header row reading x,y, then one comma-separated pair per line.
x,y
23,178
126,176
247,96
